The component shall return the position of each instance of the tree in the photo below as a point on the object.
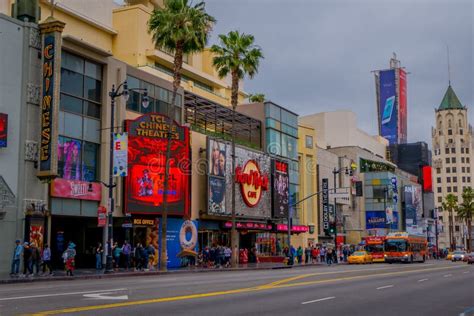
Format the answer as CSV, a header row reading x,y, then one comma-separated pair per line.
x,y
238,56
450,204
466,212
180,28
257,97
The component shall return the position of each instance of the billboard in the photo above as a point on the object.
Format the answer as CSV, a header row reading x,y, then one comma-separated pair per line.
x,y
378,219
413,207
181,241
280,192
402,106
144,186
252,181
388,107
426,173
120,167
3,130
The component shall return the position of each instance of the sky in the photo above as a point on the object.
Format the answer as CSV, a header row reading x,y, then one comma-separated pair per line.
x,y
319,54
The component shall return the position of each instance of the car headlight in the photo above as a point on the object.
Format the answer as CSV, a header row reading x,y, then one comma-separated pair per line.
x,y
385,256
405,255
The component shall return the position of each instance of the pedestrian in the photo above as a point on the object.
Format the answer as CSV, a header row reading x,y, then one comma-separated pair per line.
x,y
69,259
339,254
35,259
299,254
329,256
27,264
17,253
145,258
47,259
126,251
314,255
206,257
151,255
227,255
99,250
116,252
345,253
138,257
322,254
307,254
292,254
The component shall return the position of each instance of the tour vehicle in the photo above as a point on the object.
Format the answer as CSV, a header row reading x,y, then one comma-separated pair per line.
x,y
403,247
374,246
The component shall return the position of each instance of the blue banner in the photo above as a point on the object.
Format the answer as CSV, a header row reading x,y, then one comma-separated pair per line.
x,y
181,242
388,106
377,219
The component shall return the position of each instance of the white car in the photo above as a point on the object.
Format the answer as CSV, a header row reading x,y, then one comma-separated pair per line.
x,y
458,256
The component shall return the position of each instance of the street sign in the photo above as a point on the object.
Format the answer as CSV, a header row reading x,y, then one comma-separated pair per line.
x,y
342,195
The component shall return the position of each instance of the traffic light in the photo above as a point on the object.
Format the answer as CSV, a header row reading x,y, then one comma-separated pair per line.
x,y
332,228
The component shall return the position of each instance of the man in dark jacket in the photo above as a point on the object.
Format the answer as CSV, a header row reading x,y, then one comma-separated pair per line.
x,y
27,264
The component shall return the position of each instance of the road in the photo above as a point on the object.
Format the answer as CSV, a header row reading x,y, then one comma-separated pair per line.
x,y
434,288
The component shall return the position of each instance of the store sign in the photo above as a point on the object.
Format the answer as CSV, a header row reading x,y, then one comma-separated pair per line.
x,y
120,167
75,189
325,193
280,192
294,228
249,225
101,216
367,165
144,221
374,240
252,190
252,182
144,185
3,130
377,219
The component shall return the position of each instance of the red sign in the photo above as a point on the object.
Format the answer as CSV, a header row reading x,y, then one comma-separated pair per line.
x,y
374,240
75,189
427,179
294,228
249,225
252,182
3,129
101,216
147,144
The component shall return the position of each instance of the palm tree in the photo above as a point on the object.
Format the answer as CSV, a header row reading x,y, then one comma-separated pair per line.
x,y
450,204
466,212
238,56
257,97
180,28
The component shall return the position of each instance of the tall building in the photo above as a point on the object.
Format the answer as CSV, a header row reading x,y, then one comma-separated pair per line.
x,y
391,92
453,163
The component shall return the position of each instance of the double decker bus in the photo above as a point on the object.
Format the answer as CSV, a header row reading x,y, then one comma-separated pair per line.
x,y
374,246
402,247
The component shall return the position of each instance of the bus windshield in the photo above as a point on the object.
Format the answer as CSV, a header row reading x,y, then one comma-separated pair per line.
x,y
396,245
374,248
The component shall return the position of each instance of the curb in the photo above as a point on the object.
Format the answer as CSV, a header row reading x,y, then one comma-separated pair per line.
x,y
149,273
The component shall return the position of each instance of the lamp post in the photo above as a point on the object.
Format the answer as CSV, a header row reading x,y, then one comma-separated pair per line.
x,y
113,94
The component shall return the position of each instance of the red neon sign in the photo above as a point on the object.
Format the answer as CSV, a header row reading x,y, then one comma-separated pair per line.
x,y
252,182
427,180
294,228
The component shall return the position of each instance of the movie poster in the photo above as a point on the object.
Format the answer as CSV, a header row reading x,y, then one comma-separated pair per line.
x,y
280,190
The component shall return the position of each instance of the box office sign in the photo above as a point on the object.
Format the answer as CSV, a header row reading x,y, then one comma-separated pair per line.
x,y
49,103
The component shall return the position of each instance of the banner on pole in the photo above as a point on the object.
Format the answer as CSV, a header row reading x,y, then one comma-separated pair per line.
x,y
120,155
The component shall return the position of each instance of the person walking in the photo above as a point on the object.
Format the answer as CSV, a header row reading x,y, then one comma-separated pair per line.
x,y
322,254
314,255
69,257
99,250
138,257
47,259
27,264
116,252
329,256
307,254
227,255
299,254
35,258
17,253
126,251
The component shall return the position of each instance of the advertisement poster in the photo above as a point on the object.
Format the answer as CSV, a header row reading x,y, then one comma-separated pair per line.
x,y
3,130
69,159
413,208
181,242
72,189
402,106
388,107
120,168
280,192
37,235
147,145
252,187
377,219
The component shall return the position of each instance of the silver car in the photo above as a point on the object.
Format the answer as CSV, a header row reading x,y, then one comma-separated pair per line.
x,y
458,256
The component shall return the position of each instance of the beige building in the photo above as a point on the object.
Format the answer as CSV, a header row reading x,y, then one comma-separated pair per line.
x,y
453,165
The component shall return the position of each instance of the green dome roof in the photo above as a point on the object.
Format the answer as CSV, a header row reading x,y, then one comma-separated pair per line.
x,y
450,100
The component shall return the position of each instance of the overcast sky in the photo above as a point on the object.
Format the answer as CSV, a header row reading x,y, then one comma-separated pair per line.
x,y
319,53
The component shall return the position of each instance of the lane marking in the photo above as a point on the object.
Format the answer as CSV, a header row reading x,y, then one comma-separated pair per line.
x,y
221,293
385,287
422,280
106,296
286,280
447,275
58,294
465,272
319,300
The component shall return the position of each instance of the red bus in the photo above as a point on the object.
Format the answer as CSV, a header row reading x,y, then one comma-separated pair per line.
x,y
402,247
374,246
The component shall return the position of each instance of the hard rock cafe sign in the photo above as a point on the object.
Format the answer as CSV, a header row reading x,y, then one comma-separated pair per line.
x,y
252,182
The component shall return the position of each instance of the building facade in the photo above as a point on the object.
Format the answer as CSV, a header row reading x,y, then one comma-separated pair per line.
x,y
452,150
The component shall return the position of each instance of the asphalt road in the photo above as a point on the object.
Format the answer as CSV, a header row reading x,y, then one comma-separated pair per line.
x,y
434,288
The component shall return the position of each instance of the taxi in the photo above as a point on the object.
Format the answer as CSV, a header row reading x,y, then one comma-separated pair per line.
x,y
449,256
360,257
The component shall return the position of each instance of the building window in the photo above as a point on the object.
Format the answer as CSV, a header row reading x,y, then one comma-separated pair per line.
x,y
462,160
448,179
450,132
448,189
455,179
463,179
463,169
453,150
274,142
440,199
462,150
455,189
438,180
440,218
447,159
467,159
438,170
450,141
79,118
468,169
453,160
461,132
468,179
448,170
446,150
454,170
439,189
309,141
467,150
456,228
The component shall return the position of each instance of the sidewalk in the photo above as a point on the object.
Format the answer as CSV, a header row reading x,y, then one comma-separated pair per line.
x,y
84,274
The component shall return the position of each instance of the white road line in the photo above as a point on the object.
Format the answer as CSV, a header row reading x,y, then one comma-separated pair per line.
x,y
422,280
385,287
447,275
465,272
319,300
57,294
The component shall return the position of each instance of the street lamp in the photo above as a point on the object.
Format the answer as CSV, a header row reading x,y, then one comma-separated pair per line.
x,y
121,90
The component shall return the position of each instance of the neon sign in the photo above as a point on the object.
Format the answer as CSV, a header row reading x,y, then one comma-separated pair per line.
x,y
252,182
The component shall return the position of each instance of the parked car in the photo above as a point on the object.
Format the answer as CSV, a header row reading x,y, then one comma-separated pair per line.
x,y
458,256
470,258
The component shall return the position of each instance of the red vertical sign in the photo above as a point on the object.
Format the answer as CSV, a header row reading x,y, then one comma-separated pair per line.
x,y
101,216
402,106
